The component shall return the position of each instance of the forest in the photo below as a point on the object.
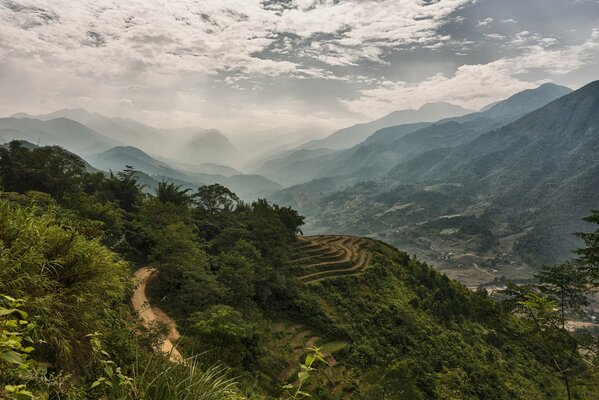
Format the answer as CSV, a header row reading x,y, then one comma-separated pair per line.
x,y
72,237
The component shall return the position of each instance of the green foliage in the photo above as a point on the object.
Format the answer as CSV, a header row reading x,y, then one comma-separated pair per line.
x,y
561,294
73,285
411,333
46,169
168,192
306,371
588,257
158,379
222,334
112,377
15,344
214,198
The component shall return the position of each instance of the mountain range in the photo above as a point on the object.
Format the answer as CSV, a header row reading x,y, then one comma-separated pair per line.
x,y
485,195
386,147
351,136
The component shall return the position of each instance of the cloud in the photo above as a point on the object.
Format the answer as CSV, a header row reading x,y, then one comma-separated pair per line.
x,y
485,22
473,86
228,63
139,39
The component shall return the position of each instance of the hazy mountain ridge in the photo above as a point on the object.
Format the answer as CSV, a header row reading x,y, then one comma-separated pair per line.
x,y
207,146
385,148
248,187
63,132
197,145
515,183
348,137
106,154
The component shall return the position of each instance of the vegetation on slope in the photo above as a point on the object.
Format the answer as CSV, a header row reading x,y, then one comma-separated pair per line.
x,y
389,325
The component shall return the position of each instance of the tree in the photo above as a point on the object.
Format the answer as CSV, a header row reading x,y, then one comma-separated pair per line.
x,y
168,192
51,170
227,335
123,188
588,257
561,294
291,219
213,198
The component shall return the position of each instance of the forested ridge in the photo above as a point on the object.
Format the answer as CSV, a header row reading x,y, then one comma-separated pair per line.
x,y
375,324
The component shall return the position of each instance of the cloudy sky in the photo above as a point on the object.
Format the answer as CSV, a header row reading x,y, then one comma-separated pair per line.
x,y
241,65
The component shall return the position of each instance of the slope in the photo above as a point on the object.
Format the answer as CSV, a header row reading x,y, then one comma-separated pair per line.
x,y
248,187
348,137
63,132
387,147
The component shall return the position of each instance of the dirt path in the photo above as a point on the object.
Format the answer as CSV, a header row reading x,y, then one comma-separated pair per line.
x,y
149,314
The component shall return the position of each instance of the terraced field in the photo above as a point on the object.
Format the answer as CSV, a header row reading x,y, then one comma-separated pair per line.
x,y
296,340
329,256
317,258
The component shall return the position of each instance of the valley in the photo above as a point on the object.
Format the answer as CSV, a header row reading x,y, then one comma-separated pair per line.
x,y
299,199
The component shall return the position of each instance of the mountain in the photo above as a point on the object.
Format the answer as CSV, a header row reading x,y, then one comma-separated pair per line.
x,y
120,130
348,137
203,168
537,166
525,101
507,197
117,158
192,145
295,166
260,146
565,129
387,147
64,132
247,187
206,146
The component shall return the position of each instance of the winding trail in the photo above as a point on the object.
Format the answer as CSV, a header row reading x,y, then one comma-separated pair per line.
x,y
149,314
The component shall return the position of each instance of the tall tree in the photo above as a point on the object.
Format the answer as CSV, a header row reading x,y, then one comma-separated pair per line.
x,y
215,197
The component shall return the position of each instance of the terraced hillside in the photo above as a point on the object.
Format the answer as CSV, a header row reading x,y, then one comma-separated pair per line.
x,y
329,256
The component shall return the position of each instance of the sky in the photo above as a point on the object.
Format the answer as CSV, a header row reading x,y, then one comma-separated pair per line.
x,y
243,66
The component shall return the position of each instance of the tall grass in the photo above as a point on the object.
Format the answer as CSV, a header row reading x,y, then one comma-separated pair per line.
x,y
157,378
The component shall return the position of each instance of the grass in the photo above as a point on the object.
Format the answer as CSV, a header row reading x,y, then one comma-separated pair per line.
x,y
159,379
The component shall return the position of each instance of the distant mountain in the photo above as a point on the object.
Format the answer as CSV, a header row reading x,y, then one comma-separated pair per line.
x,y
117,158
264,144
523,102
207,146
192,145
63,132
348,137
204,168
248,187
509,197
389,146
295,166
121,130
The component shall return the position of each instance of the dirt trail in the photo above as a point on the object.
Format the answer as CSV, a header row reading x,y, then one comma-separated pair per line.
x,y
150,314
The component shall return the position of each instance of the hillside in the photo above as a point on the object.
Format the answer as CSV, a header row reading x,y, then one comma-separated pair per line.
x,y
490,202
249,187
64,132
385,148
207,146
245,292
348,137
